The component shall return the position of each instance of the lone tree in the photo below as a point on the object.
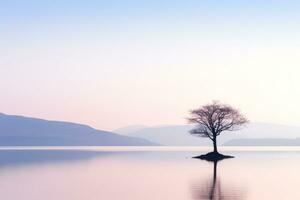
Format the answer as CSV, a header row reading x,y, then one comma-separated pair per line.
x,y
212,120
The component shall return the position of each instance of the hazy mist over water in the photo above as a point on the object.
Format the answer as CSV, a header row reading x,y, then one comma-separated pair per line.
x,y
147,173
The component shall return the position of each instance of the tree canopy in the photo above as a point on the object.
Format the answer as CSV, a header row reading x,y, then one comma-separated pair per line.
x,y
214,118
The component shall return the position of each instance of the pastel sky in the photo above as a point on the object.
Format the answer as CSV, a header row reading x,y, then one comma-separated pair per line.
x,y
116,63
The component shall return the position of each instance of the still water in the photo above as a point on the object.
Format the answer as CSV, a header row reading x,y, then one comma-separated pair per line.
x,y
142,173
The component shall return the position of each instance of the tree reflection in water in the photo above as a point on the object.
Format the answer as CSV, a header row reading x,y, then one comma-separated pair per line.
x,y
213,189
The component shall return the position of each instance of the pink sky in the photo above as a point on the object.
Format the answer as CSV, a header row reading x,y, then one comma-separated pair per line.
x,y
138,66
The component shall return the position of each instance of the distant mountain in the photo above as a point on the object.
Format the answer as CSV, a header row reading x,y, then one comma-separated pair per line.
x,y
263,142
179,135
129,129
171,135
25,131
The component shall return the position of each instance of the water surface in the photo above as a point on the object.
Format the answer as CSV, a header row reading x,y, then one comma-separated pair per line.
x,y
135,173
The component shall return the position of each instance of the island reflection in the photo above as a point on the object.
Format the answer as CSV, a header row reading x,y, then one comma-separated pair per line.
x,y
213,189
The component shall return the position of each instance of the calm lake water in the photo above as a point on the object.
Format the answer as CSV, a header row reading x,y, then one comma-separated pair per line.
x,y
142,173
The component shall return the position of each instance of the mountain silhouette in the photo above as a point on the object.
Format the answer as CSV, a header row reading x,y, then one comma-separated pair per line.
x,y
26,131
178,135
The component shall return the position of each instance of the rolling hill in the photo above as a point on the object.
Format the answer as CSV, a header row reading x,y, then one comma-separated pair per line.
x,y
26,131
178,135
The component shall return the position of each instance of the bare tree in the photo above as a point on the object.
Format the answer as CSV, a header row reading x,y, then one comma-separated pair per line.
x,y
213,119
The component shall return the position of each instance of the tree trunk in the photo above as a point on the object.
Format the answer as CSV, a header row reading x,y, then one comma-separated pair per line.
x,y
215,145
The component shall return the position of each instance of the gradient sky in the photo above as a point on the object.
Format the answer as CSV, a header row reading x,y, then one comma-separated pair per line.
x,y
116,63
